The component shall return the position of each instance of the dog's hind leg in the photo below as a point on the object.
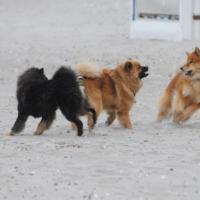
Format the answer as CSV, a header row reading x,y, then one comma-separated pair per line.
x,y
44,124
78,124
73,118
75,121
189,111
93,117
111,118
98,107
19,124
166,101
180,105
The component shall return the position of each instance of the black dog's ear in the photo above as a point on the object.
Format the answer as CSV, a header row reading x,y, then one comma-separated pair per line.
x,y
41,70
197,51
128,66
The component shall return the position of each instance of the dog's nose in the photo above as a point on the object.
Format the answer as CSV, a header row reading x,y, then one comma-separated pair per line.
x,y
145,68
181,68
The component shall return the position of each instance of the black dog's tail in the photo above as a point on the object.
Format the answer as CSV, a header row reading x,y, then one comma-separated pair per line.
x,y
94,114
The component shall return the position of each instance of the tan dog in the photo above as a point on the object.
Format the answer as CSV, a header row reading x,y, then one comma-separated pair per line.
x,y
182,96
113,90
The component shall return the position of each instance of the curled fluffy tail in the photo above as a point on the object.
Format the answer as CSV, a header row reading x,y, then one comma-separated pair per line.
x,y
87,70
166,100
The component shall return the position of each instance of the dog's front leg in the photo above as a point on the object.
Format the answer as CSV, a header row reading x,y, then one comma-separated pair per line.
x,y
111,118
179,107
124,119
189,111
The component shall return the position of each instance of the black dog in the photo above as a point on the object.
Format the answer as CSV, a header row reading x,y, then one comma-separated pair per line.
x,y
39,97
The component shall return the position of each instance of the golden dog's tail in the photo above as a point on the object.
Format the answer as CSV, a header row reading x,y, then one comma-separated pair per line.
x,y
165,106
87,70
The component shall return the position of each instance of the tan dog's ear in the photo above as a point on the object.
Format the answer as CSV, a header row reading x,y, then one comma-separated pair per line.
x,y
128,66
197,51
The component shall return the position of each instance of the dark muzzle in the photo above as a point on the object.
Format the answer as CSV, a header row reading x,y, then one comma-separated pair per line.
x,y
143,72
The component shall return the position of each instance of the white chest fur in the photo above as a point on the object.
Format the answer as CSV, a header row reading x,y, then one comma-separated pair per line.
x,y
192,91
187,91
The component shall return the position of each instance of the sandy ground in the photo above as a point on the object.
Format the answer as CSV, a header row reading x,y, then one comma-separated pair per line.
x,y
151,162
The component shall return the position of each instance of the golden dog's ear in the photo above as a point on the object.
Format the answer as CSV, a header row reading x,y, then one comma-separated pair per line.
x,y
128,66
197,51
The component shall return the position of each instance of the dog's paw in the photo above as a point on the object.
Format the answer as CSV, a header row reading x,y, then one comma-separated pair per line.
x,y
178,117
185,118
11,133
162,115
37,133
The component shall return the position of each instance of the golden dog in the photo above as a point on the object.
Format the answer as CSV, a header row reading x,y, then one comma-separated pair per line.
x,y
113,90
182,96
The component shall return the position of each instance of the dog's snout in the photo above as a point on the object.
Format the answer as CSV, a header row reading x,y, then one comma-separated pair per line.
x,y
144,72
186,71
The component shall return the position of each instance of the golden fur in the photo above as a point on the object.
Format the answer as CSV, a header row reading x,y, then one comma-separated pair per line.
x,y
112,90
182,96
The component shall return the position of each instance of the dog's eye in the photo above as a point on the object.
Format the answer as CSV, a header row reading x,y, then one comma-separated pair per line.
x,y
190,62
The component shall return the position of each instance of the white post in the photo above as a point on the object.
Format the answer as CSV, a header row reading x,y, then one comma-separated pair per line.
x,y
196,23
186,18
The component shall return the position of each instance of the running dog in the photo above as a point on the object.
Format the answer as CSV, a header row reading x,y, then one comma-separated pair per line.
x,y
182,95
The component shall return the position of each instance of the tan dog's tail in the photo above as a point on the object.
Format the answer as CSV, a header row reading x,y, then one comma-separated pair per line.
x,y
165,106
87,70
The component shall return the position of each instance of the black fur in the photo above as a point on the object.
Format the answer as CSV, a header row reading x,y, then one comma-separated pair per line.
x,y
39,97
144,71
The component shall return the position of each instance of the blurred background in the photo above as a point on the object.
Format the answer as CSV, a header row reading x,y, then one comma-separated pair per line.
x,y
168,20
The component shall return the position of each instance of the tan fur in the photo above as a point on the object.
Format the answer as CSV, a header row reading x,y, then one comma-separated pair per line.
x,y
43,126
87,70
112,90
182,96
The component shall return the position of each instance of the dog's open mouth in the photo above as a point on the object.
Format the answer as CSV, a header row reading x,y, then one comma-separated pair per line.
x,y
188,73
143,72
